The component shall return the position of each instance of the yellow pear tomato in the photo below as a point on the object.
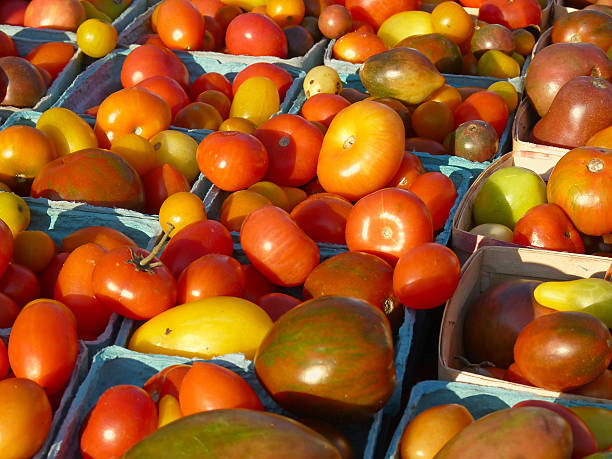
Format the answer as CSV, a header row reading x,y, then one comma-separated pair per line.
x,y
66,130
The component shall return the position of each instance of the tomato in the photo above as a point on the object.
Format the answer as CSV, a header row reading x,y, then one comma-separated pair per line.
x,y
12,12
7,45
132,110
42,13
409,170
159,183
449,18
433,120
255,35
448,95
323,218
548,227
14,211
238,205
335,21
33,249
8,312
387,223
198,115
362,150
208,386
109,238
179,210
6,246
25,417
293,147
179,150
218,100
166,382
295,195
122,416
20,284
4,362
210,275
48,276
277,247
211,80
24,151
208,7
281,78
130,282
66,130
43,345
599,388
286,12
276,304
375,12
256,285
511,14
168,89
323,107
426,276
484,105
256,100
147,60
356,47
180,25
405,24
51,56
439,194
137,151
232,160
193,241
273,192
96,38
74,289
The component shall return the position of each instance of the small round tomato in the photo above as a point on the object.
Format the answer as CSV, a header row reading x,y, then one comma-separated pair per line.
x,y
286,12
218,100
180,209
356,47
208,386
109,238
255,35
232,160
323,107
20,284
426,276
323,218
432,120
133,283
66,130
211,80
33,249
168,89
196,240
147,60
51,56
256,100
451,19
512,14
8,312
278,75
238,205
198,115
161,182
276,304
438,192
293,146
122,416
409,170
179,150
43,345
96,38
273,192
14,211
484,105
387,223
180,25
210,275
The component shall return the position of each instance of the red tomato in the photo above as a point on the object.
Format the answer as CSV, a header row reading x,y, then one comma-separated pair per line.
x,y
210,80
6,246
208,7
277,247
483,105
374,12
208,386
254,34
281,78
147,60
122,416
387,223
12,12
166,381
193,241
426,276
168,89
74,289
232,160
159,183
20,283
43,345
4,361
276,304
8,311
109,238
438,192
323,218
513,14
128,283
255,284
323,107
409,170
180,25
293,146
7,45
48,277
210,275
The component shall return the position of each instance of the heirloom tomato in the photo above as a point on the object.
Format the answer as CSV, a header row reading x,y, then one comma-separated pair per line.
x,y
255,35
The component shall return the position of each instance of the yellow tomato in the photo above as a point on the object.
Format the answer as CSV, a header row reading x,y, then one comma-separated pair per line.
x,y
286,12
405,24
14,211
180,209
322,79
33,249
451,19
137,151
238,124
273,192
179,150
507,91
205,328
66,130
255,100
96,38
169,410
238,205
295,195
496,64
247,5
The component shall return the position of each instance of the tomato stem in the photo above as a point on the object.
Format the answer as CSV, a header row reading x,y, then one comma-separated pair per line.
x,y
145,261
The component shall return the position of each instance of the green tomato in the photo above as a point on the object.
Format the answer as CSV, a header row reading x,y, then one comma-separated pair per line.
x,y
506,195
599,421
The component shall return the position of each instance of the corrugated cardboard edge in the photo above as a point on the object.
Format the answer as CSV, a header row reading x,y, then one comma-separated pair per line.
x,y
488,266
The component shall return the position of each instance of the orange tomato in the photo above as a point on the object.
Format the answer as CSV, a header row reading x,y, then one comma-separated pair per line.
x,y
51,56
409,170
218,100
108,238
323,107
448,95
131,110
180,25
180,209
286,12
450,19
433,120
238,205
273,192
356,47
198,115
33,249
168,89
137,151
208,386
439,194
210,275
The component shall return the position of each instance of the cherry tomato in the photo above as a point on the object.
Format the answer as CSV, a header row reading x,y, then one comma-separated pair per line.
x,y
210,275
